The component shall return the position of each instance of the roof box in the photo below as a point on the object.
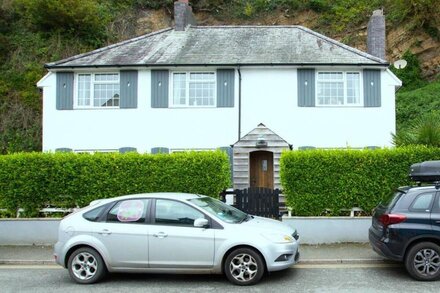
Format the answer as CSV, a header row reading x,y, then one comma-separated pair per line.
x,y
428,171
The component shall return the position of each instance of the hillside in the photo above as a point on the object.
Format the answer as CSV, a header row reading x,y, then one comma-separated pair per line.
x,y
34,32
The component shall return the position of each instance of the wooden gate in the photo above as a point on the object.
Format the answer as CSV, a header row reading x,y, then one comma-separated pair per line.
x,y
258,201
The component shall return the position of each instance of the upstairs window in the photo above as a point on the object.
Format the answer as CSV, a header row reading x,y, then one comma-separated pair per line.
x,y
338,89
97,90
193,89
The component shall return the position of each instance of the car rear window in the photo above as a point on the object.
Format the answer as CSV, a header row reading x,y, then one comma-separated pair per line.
x,y
391,200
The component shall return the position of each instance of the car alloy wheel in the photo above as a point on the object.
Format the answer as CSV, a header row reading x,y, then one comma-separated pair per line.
x,y
423,261
86,266
244,267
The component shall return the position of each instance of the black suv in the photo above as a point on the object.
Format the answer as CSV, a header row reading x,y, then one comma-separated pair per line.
x,y
406,227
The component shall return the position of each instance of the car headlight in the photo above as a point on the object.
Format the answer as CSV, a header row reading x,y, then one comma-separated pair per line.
x,y
278,237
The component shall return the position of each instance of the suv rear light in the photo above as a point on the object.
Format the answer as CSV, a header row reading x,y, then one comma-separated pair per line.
x,y
389,219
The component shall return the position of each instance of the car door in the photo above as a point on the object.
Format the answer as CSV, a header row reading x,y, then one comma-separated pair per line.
x,y
173,240
435,216
124,233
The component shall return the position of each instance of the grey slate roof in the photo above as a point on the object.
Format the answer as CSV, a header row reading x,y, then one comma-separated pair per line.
x,y
224,45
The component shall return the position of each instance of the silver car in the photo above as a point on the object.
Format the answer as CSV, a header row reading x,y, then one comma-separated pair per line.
x,y
172,233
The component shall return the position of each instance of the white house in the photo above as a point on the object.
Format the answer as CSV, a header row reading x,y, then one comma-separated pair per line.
x,y
204,87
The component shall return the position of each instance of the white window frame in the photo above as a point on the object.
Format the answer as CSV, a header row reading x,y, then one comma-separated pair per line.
x,y
186,105
344,79
92,90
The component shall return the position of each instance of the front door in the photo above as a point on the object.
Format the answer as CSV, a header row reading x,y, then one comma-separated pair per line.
x,y
261,169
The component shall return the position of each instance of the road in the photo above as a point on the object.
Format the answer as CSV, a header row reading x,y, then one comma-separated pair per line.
x,y
300,278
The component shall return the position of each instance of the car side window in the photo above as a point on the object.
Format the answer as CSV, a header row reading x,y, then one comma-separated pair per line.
x,y
129,211
422,203
170,212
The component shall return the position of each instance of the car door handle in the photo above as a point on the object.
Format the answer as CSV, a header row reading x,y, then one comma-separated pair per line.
x,y
160,235
438,222
105,232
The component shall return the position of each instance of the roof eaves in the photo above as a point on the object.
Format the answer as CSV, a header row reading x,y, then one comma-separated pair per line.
x,y
57,63
219,65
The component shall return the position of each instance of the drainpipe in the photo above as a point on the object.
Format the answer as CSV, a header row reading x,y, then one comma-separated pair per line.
x,y
239,103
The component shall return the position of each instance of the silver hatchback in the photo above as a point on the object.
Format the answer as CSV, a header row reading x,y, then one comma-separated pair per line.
x,y
172,233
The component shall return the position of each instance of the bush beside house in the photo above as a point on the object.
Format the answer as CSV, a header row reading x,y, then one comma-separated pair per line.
x,y
34,180
324,182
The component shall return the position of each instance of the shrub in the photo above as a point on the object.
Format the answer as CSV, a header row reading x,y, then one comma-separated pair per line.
x,y
33,180
316,181
424,130
412,104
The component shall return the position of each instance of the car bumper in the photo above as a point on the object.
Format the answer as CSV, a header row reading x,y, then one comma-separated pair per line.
x,y
57,253
282,256
380,246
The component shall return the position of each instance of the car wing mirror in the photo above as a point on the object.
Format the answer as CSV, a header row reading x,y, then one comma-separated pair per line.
x,y
201,223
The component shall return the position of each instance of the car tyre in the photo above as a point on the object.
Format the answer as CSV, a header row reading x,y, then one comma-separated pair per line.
x,y
423,261
86,266
244,266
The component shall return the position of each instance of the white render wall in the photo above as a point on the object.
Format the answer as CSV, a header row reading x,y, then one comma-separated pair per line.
x,y
142,128
269,96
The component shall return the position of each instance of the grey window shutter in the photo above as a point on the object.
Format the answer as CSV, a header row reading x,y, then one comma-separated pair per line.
x,y
306,87
128,89
124,150
64,91
159,88
63,150
160,150
225,87
372,88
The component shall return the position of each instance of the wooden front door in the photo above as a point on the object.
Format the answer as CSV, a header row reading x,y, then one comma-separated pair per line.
x,y
261,169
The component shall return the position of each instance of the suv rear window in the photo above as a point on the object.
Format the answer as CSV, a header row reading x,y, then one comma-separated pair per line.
x,y
391,200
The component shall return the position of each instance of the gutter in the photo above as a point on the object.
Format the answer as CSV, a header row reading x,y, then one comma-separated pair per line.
x,y
48,66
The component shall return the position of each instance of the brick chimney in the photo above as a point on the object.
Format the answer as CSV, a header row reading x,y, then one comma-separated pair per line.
x,y
183,15
376,41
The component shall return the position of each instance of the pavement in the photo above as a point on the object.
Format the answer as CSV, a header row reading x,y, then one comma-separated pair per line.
x,y
344,253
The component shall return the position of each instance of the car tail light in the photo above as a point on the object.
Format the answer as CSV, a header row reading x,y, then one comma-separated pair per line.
x,y
389,219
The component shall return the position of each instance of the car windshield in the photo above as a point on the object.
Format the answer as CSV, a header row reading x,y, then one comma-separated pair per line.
x,y
220,210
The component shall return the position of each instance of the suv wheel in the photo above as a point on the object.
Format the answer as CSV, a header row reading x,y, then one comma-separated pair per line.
x,y
86,266
423,261
244,267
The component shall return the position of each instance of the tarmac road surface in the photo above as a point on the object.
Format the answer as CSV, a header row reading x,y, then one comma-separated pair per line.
x,y
300,278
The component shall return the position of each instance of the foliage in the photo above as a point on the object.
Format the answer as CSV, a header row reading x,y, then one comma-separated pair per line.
x,y
415,14
33,180
316,181
411,75
86,18
413,104
424,130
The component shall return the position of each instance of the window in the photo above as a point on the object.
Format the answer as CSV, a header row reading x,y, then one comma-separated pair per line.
x,y
96,90
170,212
193,89
128,211
94,214
422,202
338,89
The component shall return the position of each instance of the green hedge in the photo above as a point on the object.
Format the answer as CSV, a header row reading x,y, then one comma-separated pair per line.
x,y
33,180
324,182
